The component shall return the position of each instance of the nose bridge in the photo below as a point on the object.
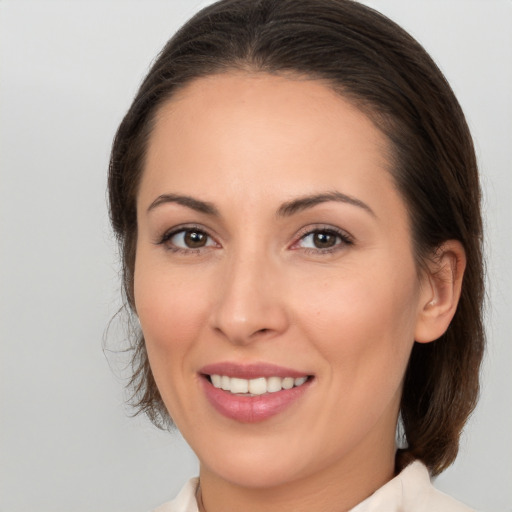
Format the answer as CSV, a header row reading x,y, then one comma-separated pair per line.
x,y
249,302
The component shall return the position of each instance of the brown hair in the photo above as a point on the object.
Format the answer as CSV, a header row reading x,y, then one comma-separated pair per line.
x,y
374,63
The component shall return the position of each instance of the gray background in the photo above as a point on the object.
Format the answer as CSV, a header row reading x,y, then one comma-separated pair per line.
x,y
68,72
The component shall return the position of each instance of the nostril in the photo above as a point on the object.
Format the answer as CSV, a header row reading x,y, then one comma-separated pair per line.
x,y
261,332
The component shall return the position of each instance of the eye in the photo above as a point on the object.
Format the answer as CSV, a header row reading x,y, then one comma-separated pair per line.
x,y
320,240
323,240
187,239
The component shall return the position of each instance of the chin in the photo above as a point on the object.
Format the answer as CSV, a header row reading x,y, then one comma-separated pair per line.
x,y
257,474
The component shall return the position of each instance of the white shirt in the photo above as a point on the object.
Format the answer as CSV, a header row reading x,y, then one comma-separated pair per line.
x,y
410,491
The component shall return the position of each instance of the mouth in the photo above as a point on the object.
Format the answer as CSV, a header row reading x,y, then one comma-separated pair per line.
x,y
255,387
253,393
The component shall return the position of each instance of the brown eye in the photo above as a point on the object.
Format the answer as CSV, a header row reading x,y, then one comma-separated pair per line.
x,y
324,239
188,239
195,239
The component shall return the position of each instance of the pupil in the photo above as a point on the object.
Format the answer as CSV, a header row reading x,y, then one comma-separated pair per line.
x,y
324,240
194,239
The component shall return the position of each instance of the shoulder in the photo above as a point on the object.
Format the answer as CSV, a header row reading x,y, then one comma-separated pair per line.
x,y
419,495
410,491
184,502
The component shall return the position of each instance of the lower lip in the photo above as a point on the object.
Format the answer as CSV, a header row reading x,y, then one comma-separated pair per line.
x,y
252,409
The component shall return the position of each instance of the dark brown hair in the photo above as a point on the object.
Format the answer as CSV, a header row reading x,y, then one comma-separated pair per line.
x,y
375,64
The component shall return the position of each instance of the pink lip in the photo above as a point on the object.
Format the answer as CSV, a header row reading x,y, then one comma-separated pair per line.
x,y
250,371
251,409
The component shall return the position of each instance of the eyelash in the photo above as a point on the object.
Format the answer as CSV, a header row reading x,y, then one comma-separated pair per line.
x,y
167,236
344,239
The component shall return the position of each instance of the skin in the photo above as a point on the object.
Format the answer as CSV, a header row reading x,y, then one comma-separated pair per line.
x,y
260,291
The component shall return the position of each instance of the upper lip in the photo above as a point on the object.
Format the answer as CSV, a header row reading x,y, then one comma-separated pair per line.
x,y
251,370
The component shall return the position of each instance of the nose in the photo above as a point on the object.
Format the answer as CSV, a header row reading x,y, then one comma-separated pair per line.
x,y
250,301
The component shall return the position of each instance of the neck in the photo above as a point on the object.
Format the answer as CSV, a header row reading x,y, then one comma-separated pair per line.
x,y
335,489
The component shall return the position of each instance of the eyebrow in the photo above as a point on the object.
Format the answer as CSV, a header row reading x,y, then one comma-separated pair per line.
x,y
303,203
189,202
285,210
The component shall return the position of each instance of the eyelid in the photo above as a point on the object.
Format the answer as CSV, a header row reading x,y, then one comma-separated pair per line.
x,y
346,238
168,234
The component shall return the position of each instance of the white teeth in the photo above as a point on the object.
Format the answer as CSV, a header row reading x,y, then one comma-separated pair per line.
x,y
288,382
257,386
217,381
300,381
225,383
239,385
274,384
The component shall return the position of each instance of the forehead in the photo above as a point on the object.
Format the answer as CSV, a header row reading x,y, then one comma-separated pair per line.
x,y
262,100
241,130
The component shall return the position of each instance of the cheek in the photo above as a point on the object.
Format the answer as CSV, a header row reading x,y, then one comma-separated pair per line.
x,y
366,321
171,314
169,308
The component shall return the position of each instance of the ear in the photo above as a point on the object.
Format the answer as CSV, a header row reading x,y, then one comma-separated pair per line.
x,y
441,289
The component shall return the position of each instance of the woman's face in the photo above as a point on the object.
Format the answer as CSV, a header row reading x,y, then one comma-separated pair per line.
x,y
274,251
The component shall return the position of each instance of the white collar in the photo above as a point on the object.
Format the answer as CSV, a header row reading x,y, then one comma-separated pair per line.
x,y
410,491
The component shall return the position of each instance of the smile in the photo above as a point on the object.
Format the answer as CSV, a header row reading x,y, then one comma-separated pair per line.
x,y
255,387
252,393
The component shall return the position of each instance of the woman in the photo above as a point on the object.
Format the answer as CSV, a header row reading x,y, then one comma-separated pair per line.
x,y
296,196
